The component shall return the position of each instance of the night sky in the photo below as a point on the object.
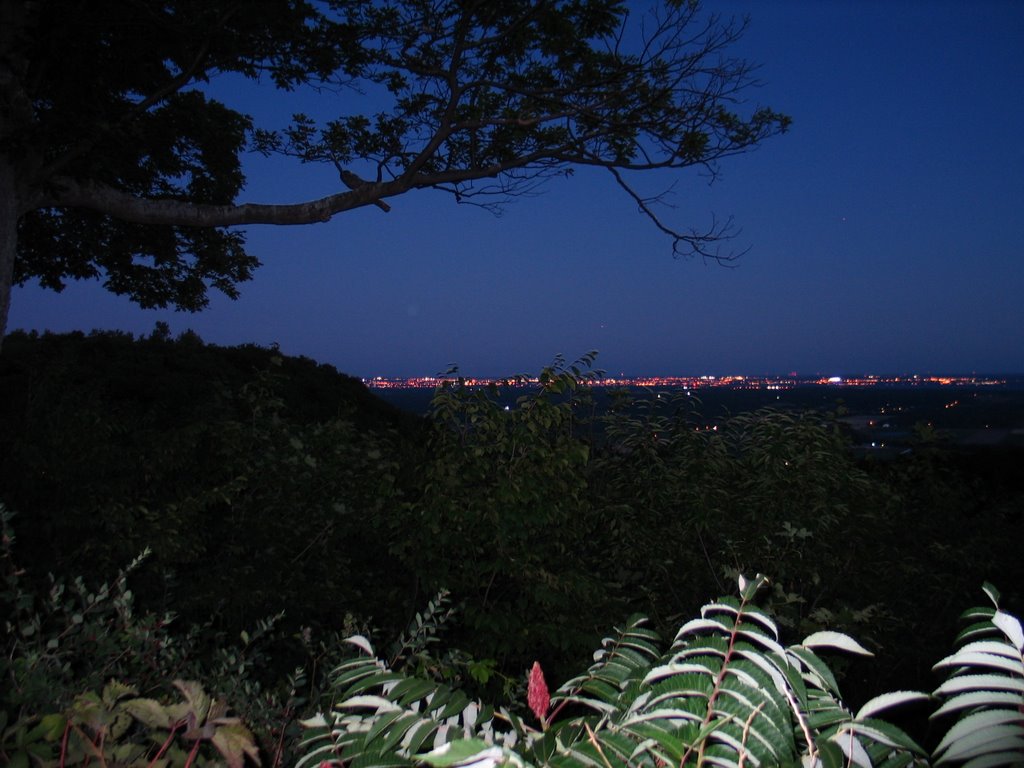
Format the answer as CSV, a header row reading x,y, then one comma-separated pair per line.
x,y
886,230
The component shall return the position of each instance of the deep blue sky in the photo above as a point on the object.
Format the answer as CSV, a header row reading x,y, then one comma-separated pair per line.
x,y
886,231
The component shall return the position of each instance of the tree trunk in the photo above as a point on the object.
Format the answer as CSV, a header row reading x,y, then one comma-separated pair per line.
x,y
8,239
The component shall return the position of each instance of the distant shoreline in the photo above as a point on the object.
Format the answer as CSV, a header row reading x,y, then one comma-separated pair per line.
x,y
770,383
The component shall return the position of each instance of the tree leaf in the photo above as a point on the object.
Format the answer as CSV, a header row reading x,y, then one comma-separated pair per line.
x,y
235,742
996,738
1010,627
988,720
149,712
980,682
977,659
377,703
887,700
973,698
361,643
830,639
464,752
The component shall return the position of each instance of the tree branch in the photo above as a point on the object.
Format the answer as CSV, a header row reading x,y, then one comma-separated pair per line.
x,y
167,90
692,243
141,210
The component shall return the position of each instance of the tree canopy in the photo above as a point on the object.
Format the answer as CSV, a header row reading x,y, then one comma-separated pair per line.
x,y
116,164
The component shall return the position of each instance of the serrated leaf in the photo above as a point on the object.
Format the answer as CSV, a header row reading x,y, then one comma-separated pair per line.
x,y
411,689
817,668
379,703
1010,627
998,647
977,699
978,659
416,737
115,690
196,698
980,629
769,666
829,639
993,759
887,700
852,748
980,682
381,723
398,732
149,712
672,669
887,734
989,720
235,742
673,746
464,752
998,738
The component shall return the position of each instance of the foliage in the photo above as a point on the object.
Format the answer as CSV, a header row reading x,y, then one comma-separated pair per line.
x,y
140,129
63,646
726,693
503,502
985,688
89,681
186,446
130,174
264,483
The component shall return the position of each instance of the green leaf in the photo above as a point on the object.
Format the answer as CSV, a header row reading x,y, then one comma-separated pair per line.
x,y
983,698
980,682
830,639
816,666
462,751
1010,627
235,742
995,738
990,721
377,703
885,733
750,588
673,747
852,748
411,689
992,592
149,712
978,659
419,736
998,647
887,700
831,755
380,724
198,701
361,643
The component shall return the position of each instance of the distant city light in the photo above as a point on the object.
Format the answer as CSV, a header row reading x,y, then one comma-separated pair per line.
x,y
689,383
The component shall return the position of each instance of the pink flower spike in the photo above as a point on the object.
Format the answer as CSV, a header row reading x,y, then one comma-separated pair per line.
x,y
537,692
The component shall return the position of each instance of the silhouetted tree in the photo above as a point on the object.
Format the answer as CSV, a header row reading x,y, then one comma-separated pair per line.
x,y
114,163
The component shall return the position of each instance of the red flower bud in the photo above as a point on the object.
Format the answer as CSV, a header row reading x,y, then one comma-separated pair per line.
x,y
537,692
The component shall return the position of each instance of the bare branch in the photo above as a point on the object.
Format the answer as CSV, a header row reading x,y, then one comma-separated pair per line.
x,y
705,244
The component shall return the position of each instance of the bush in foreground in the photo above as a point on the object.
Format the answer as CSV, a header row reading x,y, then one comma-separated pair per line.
x,y
86,681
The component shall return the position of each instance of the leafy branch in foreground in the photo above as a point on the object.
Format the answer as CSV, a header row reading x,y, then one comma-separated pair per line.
x,y
985,688
725,693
